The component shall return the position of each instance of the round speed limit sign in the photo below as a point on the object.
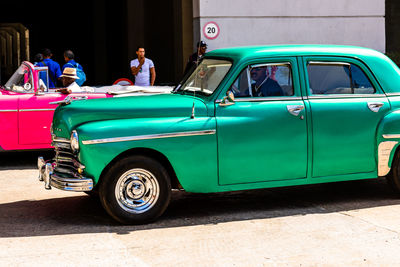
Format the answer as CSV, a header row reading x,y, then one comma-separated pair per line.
x,y
211,30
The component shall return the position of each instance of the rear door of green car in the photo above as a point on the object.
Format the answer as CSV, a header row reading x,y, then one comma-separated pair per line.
x,y
346,106
263,138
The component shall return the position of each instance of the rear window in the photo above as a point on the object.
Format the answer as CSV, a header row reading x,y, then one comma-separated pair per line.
x,y
337,78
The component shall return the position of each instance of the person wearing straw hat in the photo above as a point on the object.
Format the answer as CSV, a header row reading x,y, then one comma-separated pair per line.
x,y
68,78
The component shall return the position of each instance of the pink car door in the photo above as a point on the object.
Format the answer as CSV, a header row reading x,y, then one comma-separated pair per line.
x,y
8,120
35,117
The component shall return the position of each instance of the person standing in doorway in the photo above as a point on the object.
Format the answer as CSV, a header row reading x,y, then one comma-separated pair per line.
x,y
143,69
196,56
53,67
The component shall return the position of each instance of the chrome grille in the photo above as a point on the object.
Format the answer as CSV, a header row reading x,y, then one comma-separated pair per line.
x,y
66,163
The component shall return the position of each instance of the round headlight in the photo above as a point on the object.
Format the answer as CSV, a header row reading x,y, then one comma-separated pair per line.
x,y
74,141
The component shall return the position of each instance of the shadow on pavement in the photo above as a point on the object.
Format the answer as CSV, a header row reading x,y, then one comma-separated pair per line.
x,y
84,214
22,159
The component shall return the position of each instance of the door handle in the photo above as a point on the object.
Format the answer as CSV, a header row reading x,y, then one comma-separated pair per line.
x,y
295,109
375,106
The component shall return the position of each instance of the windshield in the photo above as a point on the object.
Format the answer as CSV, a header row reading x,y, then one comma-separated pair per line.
x,y
206,77
21,81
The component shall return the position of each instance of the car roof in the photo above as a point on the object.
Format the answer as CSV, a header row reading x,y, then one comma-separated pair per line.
x,y
384,69
292,50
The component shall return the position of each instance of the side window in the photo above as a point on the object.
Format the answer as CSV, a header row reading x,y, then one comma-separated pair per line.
x,y
43,78
337,78
263,80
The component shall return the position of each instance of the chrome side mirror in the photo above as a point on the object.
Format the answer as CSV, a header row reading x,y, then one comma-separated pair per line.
x,y
228,100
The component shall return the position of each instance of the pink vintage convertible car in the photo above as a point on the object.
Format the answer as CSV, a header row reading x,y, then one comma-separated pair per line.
x,y
27,106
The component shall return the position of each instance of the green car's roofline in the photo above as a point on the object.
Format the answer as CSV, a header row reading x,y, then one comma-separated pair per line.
x,y
384,69
291,50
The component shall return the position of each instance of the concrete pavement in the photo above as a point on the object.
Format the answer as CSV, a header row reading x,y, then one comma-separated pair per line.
x,y
341,224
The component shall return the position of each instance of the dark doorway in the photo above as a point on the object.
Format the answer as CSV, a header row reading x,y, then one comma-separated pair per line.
x,y
104,34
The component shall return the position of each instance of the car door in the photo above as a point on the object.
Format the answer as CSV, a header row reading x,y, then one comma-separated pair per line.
x,y
35,117
36,114
347,105
8,119
263,138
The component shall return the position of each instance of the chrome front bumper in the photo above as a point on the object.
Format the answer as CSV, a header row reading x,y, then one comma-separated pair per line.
x,y
51,179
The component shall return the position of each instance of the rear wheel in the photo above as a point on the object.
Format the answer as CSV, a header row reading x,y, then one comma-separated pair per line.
x,y
135,190
393,177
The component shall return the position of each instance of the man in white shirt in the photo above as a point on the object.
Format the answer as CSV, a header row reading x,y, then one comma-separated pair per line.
x,y
143,69
68,79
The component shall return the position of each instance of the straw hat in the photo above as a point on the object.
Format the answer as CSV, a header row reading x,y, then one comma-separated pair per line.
x,y
70,73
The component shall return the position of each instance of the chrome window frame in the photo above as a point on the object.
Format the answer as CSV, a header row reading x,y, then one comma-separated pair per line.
x,y
333,96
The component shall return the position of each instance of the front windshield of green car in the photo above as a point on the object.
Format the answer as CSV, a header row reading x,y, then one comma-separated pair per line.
x,y
206,77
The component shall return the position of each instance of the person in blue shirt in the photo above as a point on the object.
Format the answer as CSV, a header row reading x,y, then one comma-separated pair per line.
x,y
69,60
71,63
54,67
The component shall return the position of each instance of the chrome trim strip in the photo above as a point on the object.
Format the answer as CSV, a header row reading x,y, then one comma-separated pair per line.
x,y
146,137
384,151
345,96
328,63
393,94
270,64
9,110
389,136
39,109
260,99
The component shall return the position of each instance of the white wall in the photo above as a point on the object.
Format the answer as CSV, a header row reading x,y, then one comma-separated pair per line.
x,y
263,22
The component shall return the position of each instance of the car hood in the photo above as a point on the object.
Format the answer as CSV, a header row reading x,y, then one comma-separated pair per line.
x,y
68,117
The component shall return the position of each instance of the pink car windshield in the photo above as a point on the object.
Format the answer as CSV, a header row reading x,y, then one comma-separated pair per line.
x,y
21,81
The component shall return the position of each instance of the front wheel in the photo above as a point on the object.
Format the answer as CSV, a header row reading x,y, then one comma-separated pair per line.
x,y
135,190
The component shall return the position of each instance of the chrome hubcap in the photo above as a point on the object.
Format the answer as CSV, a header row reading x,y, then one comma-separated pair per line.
x,y
137,191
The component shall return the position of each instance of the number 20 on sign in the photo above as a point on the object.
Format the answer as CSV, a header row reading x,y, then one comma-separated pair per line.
x,y
211,30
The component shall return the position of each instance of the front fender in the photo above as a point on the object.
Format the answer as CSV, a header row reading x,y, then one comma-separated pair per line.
x,y
190,145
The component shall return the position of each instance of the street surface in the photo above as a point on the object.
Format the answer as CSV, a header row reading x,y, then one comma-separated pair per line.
x,y
341,224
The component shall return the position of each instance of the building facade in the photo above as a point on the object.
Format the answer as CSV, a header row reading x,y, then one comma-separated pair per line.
x,y
105,34
261,22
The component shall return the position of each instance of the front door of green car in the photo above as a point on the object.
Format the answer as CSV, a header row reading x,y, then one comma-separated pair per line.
x,y
347,105
262,133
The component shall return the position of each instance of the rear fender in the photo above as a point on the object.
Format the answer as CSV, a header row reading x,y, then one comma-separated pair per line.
x,y
388,141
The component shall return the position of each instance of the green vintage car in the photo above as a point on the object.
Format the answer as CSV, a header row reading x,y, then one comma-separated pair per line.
x,y
245,118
